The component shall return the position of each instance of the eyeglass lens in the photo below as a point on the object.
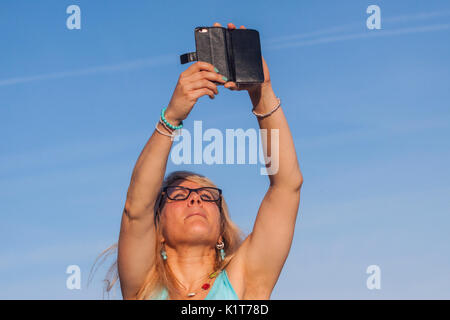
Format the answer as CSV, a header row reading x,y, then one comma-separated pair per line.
x,y
182,193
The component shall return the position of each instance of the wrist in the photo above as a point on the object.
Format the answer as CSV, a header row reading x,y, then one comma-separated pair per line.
x,y
264,99
258,90
171,117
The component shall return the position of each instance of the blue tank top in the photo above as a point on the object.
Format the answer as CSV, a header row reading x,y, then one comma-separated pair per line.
x,y
220,290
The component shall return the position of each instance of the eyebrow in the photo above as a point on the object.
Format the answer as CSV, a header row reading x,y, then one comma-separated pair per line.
x,y
190,187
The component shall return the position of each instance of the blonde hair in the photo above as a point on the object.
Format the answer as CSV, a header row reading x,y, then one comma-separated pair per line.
x,y
160,275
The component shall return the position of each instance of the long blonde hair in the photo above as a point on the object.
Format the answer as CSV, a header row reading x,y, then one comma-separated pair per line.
x,y
160,275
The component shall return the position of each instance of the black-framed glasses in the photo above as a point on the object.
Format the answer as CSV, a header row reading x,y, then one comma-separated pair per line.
x,y
179,193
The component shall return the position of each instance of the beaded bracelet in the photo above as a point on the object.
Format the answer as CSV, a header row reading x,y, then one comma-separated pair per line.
x,y
167,122
268,113
165,126
172,136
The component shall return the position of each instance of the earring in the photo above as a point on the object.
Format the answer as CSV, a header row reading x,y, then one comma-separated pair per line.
x,y
163,254
220,247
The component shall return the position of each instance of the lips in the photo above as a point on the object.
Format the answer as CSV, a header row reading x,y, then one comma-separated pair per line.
x,y
196,214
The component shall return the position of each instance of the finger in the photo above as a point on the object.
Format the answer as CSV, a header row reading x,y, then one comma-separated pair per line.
x,y
242,27
231,26
202,83
216,24
212,76
202,92
230,85
198,66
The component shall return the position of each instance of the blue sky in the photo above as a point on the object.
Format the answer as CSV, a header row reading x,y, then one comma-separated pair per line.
x,y
368,109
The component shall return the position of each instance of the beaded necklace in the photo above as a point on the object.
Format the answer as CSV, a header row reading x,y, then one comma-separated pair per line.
x,y
205,285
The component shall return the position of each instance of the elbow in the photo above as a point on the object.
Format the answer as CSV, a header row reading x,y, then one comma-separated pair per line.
x,y
127,207
298,182
136,211
293,183
129,210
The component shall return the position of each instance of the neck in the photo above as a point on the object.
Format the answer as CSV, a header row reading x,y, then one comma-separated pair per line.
x,y
191,264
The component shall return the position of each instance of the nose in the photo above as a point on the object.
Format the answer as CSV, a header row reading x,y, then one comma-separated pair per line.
x,y
194,198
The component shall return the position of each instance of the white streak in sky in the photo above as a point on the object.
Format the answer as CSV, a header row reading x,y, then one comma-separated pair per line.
x,y
317,37
362,35
157,61
416,17
362,26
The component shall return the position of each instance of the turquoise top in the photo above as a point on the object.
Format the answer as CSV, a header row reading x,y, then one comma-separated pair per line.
x,y
220,290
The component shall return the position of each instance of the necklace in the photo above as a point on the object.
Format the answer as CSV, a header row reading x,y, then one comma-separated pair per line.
x,y
205,285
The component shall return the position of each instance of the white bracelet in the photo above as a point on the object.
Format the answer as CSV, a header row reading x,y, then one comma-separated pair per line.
x,y
270,112
165,126
172,136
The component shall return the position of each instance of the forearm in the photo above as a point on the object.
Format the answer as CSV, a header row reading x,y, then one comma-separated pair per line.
x,y
288,173
148,174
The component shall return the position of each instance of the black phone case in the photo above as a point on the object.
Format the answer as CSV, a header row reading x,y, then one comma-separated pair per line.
x,y
235,53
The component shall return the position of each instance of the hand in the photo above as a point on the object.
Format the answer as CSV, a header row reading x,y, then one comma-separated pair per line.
x,y
194,82
250,88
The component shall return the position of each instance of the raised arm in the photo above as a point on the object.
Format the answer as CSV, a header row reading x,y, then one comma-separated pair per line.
x,y
264,252
270,241
137,233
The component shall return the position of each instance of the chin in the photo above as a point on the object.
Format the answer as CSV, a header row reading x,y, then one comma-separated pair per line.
x,y
198,231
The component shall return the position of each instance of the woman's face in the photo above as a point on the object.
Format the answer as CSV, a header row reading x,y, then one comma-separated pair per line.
x,y
190,221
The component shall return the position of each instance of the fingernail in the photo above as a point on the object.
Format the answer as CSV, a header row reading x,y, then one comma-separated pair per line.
x,y
224,78
216,70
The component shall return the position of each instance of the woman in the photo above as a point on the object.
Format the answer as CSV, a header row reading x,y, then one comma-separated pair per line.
x,y
178,242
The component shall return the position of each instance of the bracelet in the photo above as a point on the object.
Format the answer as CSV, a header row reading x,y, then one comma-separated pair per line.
x,y
165,126
270,112
172,136
167,122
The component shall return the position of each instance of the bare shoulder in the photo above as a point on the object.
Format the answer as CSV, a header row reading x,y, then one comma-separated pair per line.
x,y
247,287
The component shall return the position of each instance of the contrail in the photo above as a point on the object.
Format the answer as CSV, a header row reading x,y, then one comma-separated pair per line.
x,y
417,16
368,34
165,59
318,37
360,25
322,32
